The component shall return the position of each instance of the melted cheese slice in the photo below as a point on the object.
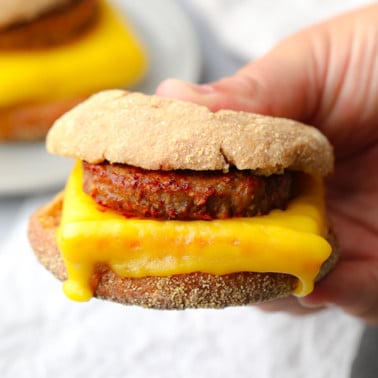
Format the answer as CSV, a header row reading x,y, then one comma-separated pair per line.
x,y
107,56
290,241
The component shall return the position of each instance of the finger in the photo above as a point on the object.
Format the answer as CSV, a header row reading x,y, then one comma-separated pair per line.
x,y
351,286
290,305
278,84
285,82
310,77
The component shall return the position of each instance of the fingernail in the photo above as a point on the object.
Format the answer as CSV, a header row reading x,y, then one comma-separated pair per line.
x,y
202,88
310,304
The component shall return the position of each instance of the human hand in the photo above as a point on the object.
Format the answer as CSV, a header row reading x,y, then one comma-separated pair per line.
x,y
326,76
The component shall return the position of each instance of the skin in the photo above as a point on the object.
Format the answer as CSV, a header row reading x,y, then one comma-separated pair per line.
x,y
326,76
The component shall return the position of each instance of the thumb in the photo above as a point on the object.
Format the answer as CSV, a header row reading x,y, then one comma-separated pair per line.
x,y
311,76
282,83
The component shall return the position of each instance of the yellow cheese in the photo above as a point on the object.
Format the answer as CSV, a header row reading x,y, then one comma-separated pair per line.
x,y
290,241
107,56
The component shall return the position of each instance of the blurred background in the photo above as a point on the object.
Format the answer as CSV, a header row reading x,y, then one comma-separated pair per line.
x,y
42,333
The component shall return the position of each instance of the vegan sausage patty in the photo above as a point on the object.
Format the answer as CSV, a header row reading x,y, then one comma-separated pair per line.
x,y
185,194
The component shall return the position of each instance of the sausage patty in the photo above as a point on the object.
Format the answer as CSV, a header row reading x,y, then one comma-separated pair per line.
x,y
57,26
185,195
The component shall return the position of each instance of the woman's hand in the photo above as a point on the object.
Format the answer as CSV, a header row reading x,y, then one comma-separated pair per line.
x,y
326,76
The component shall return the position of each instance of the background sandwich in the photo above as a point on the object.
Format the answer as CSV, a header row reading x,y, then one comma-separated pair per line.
x,y
54,54
172,206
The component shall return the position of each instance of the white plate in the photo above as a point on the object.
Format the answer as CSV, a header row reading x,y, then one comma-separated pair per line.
x,y
173,52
